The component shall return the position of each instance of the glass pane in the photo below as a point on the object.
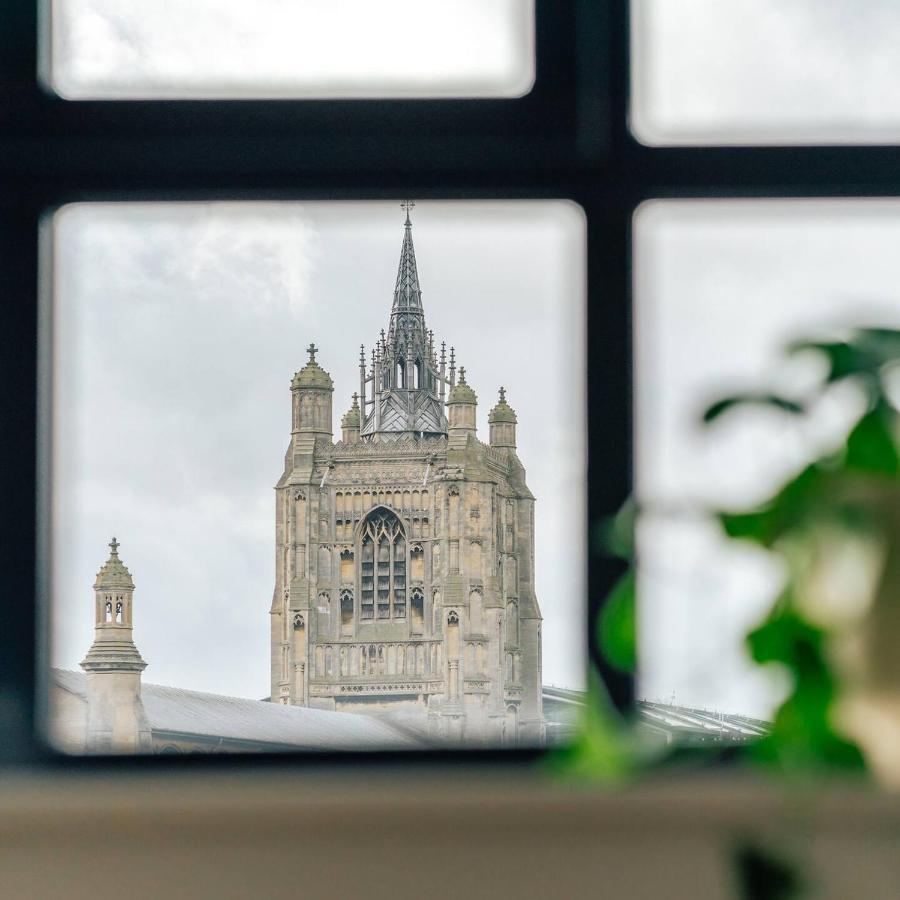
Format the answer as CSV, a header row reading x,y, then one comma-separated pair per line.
x,y
193,344
765,72
104,49
721,288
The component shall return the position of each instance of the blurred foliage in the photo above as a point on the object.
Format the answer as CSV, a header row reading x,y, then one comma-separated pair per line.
x,y
617,627
603,749
831,488
826,490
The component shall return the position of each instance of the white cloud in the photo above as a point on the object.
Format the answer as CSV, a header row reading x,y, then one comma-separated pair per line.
x,y
766,71
292,47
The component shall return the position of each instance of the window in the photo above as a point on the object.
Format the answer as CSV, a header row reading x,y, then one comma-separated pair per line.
x,y
764,72
346,563
346,612
383,572
306,48
417,611
785,269
569,136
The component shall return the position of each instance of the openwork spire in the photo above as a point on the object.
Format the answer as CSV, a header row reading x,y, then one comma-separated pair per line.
x,y
407,387
407,295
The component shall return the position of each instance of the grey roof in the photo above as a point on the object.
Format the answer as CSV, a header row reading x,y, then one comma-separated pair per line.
x,y
183,712
681,724
700,724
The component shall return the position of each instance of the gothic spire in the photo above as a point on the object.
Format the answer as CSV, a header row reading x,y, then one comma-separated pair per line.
x,y
407,396
407,294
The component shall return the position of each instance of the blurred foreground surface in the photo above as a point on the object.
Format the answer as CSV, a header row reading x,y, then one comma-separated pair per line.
x,y
472,833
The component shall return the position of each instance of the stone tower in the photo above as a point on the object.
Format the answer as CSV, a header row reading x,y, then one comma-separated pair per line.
x,y
405,551
116,721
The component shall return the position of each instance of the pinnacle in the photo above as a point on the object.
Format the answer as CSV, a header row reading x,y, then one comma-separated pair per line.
x,y
407,294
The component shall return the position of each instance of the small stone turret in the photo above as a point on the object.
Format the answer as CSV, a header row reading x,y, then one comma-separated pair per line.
x,y
350,423
461,406
311,389
502,420
116,721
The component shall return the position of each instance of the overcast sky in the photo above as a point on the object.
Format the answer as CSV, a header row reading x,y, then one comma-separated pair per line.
x,y
721,287
177,330
768,71
323,48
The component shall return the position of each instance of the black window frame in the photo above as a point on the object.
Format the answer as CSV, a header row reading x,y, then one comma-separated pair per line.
x,y
567,139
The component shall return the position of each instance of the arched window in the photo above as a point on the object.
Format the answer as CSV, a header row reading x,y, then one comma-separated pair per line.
x,y
453,635
417,563
512,624
120,610
417,374
107,611
400,376
346,612
417,611
383,567
346,567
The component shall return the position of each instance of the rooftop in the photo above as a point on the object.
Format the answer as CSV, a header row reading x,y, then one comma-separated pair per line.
x,y
183,712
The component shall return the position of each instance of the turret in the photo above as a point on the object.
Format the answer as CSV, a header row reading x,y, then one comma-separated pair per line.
x,y
116,720
502,421
350,423
461,406
311,390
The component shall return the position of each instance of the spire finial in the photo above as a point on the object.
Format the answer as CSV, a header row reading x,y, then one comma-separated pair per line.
x,y
462,374
312,350
502,394
355,400
114,546
407,205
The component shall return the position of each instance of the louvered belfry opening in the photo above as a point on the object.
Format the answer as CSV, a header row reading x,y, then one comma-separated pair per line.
x,y
383,567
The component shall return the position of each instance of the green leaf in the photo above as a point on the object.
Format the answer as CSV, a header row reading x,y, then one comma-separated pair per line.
x,y
802,735
787,509
870,445
776,639
865,354
879,343
843,358
617,629
615,535
775,401
603,748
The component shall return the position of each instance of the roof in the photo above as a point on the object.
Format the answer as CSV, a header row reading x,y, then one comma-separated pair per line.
x,y
681,724
114,574
175,710
312,375
351,417
502,412
461,392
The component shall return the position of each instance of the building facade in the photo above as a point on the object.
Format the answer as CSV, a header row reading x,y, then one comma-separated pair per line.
x,y
405,550
108,709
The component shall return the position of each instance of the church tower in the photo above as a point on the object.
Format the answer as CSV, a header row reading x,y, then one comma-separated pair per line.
x,y
116,721
405,551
